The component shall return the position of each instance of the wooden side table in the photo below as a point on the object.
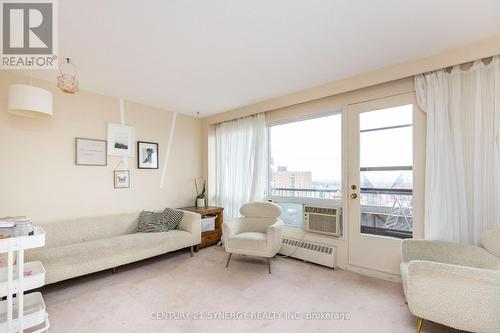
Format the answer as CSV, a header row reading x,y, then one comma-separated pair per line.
x,y
209,237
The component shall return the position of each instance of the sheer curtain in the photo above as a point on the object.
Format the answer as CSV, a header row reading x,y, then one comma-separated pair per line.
x,y
462,194
241,162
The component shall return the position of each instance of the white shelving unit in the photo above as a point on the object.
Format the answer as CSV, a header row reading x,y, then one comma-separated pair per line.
x,y
23,312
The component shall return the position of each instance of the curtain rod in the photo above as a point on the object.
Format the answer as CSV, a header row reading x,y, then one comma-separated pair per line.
x,y
239,118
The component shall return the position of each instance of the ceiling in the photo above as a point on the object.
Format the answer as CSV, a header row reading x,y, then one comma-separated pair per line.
x,y
211,56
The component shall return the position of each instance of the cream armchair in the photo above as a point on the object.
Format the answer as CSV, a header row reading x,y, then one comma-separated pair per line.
x,y
452,284
257,233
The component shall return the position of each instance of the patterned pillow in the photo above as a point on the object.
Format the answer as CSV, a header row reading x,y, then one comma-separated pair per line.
x,y
152,222
174,217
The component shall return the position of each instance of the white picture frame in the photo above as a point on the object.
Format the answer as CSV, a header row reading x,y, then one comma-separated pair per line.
x,y
120,140
91,152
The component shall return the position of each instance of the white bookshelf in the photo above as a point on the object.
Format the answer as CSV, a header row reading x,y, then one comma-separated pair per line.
x,y
23,312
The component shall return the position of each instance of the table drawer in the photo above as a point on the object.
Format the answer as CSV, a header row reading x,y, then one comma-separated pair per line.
x,y
210,237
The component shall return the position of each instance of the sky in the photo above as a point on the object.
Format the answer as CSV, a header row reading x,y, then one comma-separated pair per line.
x,y
311,145
316,144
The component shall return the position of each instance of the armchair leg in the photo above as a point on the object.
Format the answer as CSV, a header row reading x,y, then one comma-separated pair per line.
x,y
419,325
192,250
269,264
229,258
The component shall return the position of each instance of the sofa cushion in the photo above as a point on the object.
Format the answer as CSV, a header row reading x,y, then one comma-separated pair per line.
x,y
261,209
249,241
174,217
152,221
77,259
71,231
491,242
249,224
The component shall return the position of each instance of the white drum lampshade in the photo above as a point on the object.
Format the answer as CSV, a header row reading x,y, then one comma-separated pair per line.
x,y
29,101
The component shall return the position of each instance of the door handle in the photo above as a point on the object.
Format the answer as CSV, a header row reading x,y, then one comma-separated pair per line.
x,y
354,196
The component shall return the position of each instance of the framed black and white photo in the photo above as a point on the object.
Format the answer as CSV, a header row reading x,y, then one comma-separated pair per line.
x,y
147,155
90,152
120,138
122,179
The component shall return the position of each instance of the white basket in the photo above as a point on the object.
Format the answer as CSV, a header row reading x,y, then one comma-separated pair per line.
x,y
208,223
23,311
35,280
23,242
34,312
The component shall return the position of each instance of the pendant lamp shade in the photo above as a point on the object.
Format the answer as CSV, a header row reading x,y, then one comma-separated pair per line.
x,y
29,101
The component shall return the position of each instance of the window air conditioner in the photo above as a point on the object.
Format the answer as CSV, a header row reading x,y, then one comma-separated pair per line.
x,y
322,220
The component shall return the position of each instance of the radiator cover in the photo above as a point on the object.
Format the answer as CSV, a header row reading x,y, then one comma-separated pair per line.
x,y
309,251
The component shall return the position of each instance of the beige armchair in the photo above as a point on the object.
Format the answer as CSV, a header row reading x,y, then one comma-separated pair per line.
x,y
452,284
257,233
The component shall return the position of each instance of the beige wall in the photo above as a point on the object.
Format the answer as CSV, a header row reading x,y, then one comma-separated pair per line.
x,y
38,175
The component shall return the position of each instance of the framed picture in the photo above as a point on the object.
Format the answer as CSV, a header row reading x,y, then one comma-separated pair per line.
x,y
90,152
122,179
120,138
147,155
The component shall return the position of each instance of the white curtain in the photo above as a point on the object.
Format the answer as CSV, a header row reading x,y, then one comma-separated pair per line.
x,y
241,162
462,194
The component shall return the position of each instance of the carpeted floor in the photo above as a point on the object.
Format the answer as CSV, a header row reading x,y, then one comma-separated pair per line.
x,y
158,294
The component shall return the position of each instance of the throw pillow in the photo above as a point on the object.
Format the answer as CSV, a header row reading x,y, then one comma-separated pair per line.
x,y
152,222
174,217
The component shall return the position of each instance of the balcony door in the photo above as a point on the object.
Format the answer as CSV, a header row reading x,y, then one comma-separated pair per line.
x,y
385,151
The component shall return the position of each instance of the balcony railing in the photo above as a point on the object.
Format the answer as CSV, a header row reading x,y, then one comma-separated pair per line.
x,y
306,193
385,211
369,196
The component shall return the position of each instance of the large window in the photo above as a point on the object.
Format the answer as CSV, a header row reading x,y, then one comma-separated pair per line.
x,y
306,159
386,163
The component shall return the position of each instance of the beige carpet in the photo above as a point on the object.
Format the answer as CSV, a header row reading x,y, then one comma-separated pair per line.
x,y
140,298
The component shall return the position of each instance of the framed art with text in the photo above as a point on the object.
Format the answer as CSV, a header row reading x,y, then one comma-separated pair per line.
x,y
90,152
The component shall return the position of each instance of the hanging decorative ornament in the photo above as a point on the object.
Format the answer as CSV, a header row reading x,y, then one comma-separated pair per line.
x,y
67,82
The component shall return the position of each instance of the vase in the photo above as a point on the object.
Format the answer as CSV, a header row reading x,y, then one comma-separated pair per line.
x,y
200,202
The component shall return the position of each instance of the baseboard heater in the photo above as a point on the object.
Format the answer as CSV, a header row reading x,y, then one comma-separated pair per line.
x,y
309,251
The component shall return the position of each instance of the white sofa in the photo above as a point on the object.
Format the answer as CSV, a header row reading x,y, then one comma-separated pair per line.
x,y
86,245
452,284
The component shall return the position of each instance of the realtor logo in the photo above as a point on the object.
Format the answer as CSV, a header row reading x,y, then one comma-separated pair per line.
x,y
29,38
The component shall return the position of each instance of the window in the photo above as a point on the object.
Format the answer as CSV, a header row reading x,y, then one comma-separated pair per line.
x,y
305,164
386,177
292,214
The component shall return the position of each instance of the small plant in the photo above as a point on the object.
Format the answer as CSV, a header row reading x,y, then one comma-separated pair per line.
x,y
200,195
